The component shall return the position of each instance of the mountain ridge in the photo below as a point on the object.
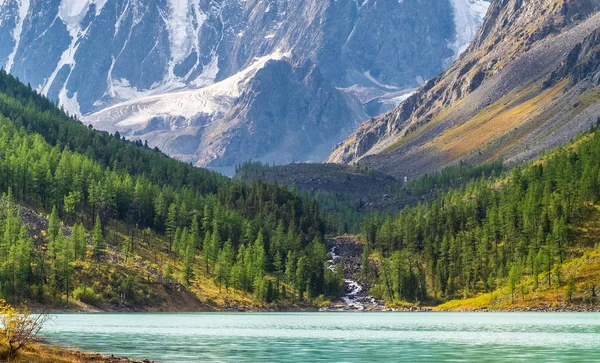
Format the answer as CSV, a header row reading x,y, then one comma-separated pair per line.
x,y
518,45
94,54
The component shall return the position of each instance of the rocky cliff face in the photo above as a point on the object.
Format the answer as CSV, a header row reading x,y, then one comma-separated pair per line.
x,y
504,97
91,55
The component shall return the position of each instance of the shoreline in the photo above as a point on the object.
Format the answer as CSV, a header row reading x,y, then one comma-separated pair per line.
x,y
143,311
428,309
46,352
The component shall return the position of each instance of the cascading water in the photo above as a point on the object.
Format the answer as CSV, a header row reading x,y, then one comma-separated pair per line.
x,y
355,297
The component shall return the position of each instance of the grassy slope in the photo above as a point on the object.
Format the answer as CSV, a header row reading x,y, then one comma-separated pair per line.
x,y
146,263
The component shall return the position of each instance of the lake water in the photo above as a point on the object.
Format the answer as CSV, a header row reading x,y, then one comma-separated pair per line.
x,y
334,337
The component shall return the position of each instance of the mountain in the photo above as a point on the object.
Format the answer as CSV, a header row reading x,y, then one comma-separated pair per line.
x,y
527,83
270,110
110,59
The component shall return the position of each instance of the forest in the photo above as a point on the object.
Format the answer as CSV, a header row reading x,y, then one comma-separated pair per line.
x,y
480,227
254,237
490,232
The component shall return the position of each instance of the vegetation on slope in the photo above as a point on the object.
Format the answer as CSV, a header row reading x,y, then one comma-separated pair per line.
x,y
580,273
253,237
494,233
348,195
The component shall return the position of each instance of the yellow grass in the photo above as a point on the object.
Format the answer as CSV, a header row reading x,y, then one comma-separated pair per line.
x,y
493,121
439,116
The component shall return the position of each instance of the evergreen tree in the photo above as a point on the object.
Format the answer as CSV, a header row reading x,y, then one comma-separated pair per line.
x,y
171,224
169,273
98,242
225,264
79,241
188,263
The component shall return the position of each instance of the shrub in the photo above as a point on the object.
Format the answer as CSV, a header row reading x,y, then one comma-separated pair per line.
x,y
86,295
18,328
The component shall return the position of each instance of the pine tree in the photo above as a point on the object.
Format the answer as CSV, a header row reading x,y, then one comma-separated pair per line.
x,y
224,265
514,277
188,263
53,224
169,273
278,269
215,242
171,224
302,276
67,266
57,263
98,242
206,251
79,241
260,262
290,268
238,270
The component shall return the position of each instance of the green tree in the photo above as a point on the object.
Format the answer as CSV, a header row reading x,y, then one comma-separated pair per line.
x,y
98,242
514,278
302,276
571,289
171,224
188,263
169,273
224,265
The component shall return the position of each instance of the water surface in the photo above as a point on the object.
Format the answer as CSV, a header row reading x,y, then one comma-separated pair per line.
x,y
334,337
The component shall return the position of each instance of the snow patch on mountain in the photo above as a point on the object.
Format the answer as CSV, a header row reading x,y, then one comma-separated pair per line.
x,y
212,101
209,73
468,17
377,83
71,12
178,29
184,20
23,10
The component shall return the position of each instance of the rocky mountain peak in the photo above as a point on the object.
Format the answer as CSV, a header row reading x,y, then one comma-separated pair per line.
x,y
511,34
105,59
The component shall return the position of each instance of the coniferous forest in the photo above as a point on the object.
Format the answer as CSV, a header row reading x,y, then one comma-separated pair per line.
x,y
484,229
258,238
492,232
299,181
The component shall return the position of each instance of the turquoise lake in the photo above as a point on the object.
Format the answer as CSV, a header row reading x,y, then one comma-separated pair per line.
x,y
334,337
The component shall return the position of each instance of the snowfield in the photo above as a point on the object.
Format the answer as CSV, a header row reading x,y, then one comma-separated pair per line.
x,y
468,16
212,101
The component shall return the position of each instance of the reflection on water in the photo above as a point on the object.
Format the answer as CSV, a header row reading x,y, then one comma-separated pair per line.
x,y
334,337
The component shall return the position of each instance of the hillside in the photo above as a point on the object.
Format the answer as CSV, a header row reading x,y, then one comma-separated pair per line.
x,y
525,239
578,293
526,84
350,194
131,229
